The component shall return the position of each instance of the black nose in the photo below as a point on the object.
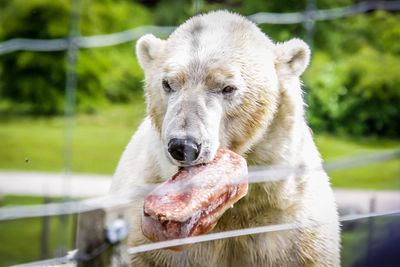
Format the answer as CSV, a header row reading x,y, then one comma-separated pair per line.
x,y
185,150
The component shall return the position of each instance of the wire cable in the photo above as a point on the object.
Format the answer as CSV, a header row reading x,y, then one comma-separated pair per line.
x,y
217,236
257,174
60,44
249,231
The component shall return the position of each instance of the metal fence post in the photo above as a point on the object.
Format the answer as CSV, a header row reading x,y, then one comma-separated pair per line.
x,y
44,246
309,22
102,238
370,241
70,97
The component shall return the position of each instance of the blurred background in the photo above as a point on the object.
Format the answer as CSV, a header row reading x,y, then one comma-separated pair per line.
x,y
72,109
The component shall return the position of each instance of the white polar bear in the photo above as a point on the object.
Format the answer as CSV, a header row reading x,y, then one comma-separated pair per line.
x,y
219,82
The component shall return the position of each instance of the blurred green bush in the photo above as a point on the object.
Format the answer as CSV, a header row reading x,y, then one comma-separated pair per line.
x,y
354,79
352,84
35,82
356,95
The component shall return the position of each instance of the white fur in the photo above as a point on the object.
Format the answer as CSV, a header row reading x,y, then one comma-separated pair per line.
x,y
263,120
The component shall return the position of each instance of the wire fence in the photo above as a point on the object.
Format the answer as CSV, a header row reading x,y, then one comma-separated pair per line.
x,y
215,236
60,44
256,175
324,14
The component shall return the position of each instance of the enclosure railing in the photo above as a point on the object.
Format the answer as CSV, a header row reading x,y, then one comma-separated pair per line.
x,y
73,257
257,174
124,200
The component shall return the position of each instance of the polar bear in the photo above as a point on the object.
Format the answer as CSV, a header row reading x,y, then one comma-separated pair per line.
x,y
219,82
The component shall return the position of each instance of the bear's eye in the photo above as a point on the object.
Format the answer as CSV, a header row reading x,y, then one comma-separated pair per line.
x,y
228,89
167,88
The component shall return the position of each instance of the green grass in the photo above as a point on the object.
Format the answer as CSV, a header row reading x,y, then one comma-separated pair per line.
x,y
382,175
21,239
100,138
333,147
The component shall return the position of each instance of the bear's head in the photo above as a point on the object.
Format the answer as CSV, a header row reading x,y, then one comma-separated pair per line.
x,y
215,83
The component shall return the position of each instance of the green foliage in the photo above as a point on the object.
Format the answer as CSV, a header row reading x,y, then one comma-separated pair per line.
x,y
172,13
379,29
116,76
354,84
35,82
108,16
110,73
30,19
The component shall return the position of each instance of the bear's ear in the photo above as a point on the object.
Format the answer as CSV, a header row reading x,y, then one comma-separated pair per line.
x,y
148,48
292,57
